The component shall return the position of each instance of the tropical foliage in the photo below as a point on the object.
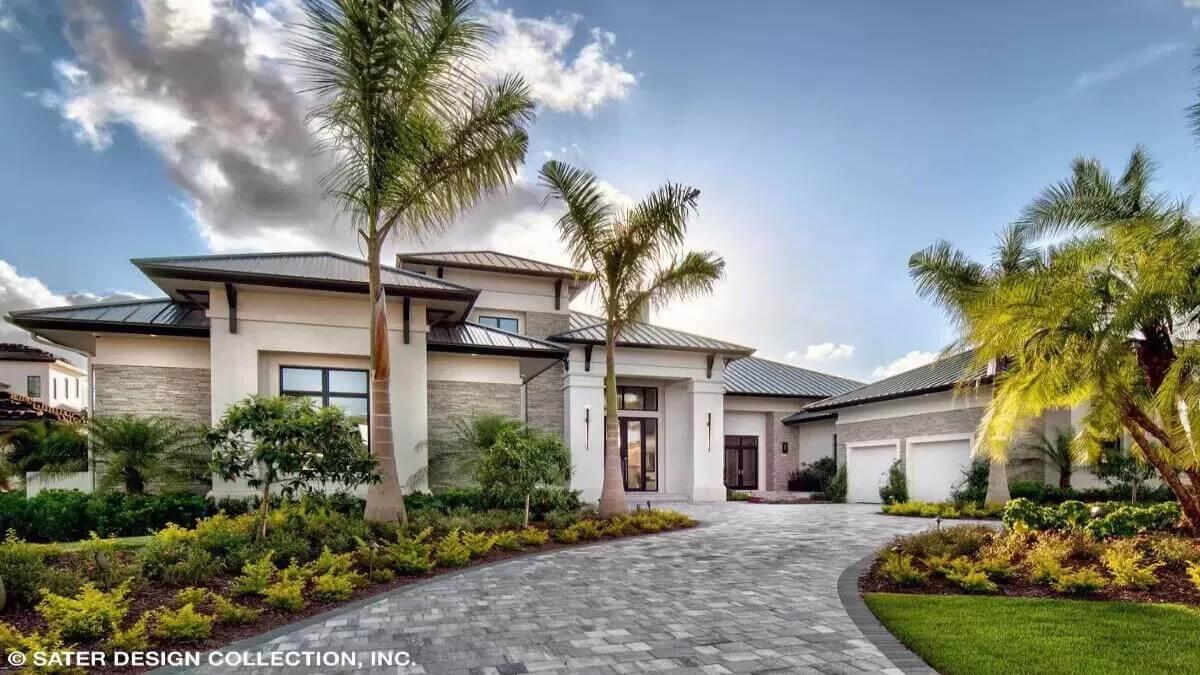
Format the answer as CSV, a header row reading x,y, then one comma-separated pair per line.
x,y
1058,451
52,448
415,138
522,459
637,257
133,452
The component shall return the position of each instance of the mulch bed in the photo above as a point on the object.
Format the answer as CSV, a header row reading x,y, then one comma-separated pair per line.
x,y
1174,586
149,597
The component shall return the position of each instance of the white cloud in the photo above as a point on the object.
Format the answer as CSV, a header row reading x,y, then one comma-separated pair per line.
x,y
537,49
1191,4
913,359
822,352
1115,69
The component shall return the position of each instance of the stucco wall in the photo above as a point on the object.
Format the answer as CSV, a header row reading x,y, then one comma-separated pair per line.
x,y
544,394
182,393
451,402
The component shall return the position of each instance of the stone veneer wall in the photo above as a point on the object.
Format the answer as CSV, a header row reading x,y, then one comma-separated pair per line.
x,y
544,393
182,393
1023,464
450,402
779,465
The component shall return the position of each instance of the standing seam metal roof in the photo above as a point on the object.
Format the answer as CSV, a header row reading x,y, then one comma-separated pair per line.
x,y
940,375
491,260
469,335
157,313
754,376
588,329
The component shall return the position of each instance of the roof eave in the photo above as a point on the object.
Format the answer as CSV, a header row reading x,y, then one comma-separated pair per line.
x,y
31,324
812,418
745,351
447,348
818,406
549,274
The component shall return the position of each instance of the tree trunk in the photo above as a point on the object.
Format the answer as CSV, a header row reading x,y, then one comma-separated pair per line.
x,y
997,487
385,499
263,508
1189,501
612,491
1064,478
526,509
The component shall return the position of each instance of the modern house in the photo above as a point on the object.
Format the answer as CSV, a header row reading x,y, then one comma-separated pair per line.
x,y
470,332
41,376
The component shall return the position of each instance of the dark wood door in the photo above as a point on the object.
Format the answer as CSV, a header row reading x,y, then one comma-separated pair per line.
x,y
639,453
741,462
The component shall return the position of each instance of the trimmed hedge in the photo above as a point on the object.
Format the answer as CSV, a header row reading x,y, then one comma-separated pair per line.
x,y
1041,493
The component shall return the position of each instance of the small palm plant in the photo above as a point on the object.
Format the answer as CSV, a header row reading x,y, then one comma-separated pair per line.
x,y
51,448
636,255
1059,451
134,452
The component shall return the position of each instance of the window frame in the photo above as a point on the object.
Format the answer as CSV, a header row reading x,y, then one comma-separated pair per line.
x,y
325,394
622,388
483,320
29,391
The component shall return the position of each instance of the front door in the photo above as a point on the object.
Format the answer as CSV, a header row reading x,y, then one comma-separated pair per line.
x,y
741,462
639,453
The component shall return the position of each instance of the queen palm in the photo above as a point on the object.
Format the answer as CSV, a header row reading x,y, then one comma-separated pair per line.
x,y
949,278
638,261
1110,322
415,137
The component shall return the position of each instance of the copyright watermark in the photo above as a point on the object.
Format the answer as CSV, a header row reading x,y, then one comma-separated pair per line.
x,y
159,659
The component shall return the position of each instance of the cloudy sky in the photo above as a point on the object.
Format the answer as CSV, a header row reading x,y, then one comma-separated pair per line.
x,y
830,140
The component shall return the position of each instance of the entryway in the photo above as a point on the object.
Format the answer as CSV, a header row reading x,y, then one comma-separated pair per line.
x,y
639,453
741,462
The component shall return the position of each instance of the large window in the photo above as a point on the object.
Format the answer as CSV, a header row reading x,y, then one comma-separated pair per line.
x,y
33,386
343,387
637,398
502,322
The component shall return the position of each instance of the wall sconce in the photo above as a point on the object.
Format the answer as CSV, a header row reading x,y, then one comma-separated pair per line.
x,y
785,447
587,427
709,431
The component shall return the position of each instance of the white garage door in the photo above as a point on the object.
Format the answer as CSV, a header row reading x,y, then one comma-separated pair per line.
x,y
934,467
866,470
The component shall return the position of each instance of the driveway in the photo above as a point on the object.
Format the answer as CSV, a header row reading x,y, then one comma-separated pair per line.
x,y
753,589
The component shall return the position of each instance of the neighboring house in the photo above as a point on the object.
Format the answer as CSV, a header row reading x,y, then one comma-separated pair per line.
x,y
16,409
925,418
43,377
471,332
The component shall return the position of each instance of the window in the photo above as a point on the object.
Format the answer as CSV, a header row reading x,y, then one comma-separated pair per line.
x,y
343,387
785,447
54,387
33,386
637,398
77,387
502,322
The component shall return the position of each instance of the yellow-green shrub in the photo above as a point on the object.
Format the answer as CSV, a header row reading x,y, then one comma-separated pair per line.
x,y
968,576
1193,570
191,596
1124,561
531,536
182,625
334,586
255,577
135,638
1045,560
478,543
229,613
328,562
451,551
899,568
286,594
1081,581
1174,549
88,616
508,540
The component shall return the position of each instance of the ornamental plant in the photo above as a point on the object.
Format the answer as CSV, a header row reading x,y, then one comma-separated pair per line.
x,y
522,459
290,445
1126,563
88,616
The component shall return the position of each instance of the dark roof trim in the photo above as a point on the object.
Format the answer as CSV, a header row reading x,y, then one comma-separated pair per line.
x,y
33,322
903,394
750,394
803,417
445,348
423,258
640,345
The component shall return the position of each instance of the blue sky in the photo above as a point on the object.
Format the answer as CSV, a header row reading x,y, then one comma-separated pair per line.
x,y
830,140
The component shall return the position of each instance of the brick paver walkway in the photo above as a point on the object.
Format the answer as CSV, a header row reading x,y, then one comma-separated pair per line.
x,y
752,590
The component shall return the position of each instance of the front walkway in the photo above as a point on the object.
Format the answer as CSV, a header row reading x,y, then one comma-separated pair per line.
x,y
753,589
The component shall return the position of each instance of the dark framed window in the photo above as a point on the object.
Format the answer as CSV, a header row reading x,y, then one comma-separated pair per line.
x,y
77,387
637,398
502,322
33,386
347,388
54,387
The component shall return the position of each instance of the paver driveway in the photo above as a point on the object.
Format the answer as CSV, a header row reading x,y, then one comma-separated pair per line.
x,y
753,589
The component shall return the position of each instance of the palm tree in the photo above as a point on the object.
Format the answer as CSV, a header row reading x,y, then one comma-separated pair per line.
x,y
949,278
415,138
133,452
636,257
1111,322
51,448
1059,452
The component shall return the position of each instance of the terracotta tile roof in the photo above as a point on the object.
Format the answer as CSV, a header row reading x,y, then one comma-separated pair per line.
x,y
14,407
10,351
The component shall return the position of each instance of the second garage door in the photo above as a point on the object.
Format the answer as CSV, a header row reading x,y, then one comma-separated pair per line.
x,y
935,466
866,469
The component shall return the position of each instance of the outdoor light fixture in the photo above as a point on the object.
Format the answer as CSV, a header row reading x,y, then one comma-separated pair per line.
x,y
709,432
587,427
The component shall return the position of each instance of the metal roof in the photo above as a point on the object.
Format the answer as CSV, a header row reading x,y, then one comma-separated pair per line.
x,y
10,351
161,315
941,375
588,329
473,338
492,261
805,416
752,376
320,270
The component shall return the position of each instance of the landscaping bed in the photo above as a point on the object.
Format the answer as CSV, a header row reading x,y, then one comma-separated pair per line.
x,y
198,589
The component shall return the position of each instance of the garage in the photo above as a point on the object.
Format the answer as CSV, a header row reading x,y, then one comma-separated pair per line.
x,y
867,464
935,464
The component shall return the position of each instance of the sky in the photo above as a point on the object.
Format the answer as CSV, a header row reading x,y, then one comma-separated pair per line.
x,y
830,140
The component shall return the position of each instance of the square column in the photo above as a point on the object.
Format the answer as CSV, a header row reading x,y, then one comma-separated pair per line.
x,y
584,425
706,401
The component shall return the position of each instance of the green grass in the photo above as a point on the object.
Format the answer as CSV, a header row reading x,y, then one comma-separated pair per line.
x,y
123,542
969,635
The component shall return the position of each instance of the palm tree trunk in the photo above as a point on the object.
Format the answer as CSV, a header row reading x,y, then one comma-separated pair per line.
x,y
997,487
385,499
612,491
1064,478
1189,501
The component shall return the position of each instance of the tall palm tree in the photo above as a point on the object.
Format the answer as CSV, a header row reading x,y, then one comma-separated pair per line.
x,y
1112,322
949,278
416,138
636,255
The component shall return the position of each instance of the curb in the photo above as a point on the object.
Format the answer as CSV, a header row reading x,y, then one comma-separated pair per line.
x,y
875,633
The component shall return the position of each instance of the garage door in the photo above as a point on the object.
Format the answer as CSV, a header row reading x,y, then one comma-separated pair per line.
x,y
935,467
866,469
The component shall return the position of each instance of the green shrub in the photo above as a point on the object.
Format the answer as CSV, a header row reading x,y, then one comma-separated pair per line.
x,y
61,515
1025,513
736,495
508,540
22,569
106,564
519,459
335,586
895,489
813,477
478,543
1174,549
1125,563
62,581
451,551
836,491
255,577
946,510
172,557
531,536
1125,521
543,500
135,638
228,539
972,489
1081,581
182,625
899,569
88,616
957,540
286,594
1193,571
561,520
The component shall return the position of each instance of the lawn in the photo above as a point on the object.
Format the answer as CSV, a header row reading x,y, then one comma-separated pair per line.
x,y
979,635
121,542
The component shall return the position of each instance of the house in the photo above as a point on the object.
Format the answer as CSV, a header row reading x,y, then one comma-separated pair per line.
x,y
41,376
470,332
928,418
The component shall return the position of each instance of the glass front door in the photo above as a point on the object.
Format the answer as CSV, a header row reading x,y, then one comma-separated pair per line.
x,y
639,453
741,462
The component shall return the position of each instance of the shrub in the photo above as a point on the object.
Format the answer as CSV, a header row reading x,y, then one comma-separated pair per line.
x,y
895,489
973,581
88,616
226,538
958,540
411,556
1193,571
478,543
519,460
1024,513
328,562
899,568
172,556
22,569
569,535
182,625
561,519
105,563
947,510
335,586
286,594
589,529
255,577
532,536
61,581
1081,581
1045,560
135,638
1125,563
1174,549
972,489
836,490
62,515
191,596
1128,520
451,551
813,477
508,540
